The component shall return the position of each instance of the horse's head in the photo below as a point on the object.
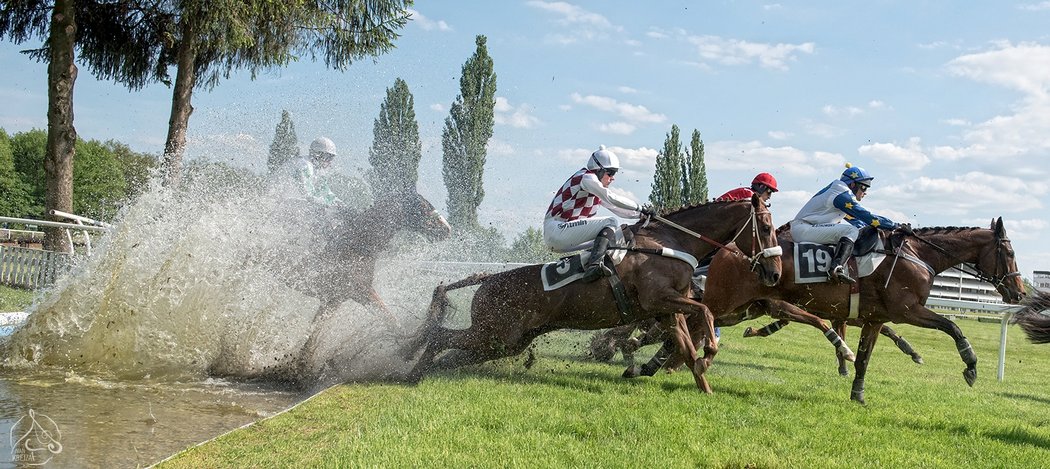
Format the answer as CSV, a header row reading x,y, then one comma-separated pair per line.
x,y
421,216
996,260
764,250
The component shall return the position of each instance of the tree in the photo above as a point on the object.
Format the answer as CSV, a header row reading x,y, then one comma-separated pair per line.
x,y
529,247
136,167
694,190
210,41
667,181
465,138
21,21
396,148
285,144
15,200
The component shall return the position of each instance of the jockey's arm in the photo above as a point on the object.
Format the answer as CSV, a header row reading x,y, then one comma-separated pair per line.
x,y
617,204
851,207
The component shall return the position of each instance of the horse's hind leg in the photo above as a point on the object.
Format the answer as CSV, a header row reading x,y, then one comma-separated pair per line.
x,y
840,328
766,330
902,344
923,317
794,313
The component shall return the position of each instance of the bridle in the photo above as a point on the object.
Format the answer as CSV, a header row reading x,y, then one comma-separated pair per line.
x,y
761,253
995,279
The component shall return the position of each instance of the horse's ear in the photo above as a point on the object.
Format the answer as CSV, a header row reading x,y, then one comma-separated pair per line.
x,y
998,227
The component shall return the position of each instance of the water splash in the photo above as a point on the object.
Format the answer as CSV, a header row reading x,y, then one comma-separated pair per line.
x,y
195,283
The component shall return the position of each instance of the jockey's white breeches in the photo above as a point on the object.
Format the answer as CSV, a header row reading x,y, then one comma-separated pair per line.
x,y
824,233
568,236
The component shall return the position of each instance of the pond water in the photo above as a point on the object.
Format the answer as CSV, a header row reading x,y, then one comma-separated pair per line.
x,y
180,327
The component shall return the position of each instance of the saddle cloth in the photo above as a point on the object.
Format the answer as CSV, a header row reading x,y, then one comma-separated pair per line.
x,y
568,269
812,261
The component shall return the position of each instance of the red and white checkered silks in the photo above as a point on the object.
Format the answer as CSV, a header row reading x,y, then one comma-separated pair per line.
x,y
571,202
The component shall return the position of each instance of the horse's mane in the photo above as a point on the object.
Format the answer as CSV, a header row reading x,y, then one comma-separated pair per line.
x,y
693,207
945,229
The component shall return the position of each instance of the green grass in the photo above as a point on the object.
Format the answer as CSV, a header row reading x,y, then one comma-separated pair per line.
x,y
778,402
14,299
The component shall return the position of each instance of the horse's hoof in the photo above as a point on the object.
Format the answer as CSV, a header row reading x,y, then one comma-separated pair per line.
x,y
750,332
858,398
843,372
916,359
632,372
970,375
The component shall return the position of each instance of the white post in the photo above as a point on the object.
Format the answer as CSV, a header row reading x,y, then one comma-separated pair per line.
x,y
1002,345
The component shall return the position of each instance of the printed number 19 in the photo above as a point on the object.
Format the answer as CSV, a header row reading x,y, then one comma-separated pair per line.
x,y
822,262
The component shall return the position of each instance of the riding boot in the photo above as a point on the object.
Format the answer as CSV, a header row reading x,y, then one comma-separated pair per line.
x,y
595,267
838,269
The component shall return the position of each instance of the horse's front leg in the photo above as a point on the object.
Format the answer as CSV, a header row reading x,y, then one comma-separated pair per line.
x,y
680,335
868,335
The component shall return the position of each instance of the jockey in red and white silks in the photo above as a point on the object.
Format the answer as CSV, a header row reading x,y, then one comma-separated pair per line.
x,y
570,223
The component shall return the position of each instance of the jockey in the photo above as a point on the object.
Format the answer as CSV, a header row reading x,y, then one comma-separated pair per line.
x,y
570,223
818,220
308,170
764,185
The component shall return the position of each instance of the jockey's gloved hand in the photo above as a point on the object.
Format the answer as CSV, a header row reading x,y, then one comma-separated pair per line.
x,y
905,228
647,210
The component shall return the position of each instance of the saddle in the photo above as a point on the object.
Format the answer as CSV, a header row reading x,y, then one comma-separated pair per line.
x,y
568,269
812,261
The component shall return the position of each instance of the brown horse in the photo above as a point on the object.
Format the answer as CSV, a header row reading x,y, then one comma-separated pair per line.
x,y
1033,319
894,292
511,308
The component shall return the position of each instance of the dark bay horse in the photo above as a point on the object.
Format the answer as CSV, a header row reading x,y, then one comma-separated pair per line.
x,y
1032,318
511,308
894,292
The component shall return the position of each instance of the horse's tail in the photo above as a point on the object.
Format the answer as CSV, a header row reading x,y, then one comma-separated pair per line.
x,y
439,305
1033,322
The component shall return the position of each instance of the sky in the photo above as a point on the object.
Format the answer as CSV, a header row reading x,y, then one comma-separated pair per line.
x,y
948,107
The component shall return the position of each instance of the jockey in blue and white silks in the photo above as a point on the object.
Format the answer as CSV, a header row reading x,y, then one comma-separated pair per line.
x,y
819,220
570,224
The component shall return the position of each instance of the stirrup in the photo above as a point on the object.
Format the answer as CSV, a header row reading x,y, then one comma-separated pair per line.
x,y
595,272
839,273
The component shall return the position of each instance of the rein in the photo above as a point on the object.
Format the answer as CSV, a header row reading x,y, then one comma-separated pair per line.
x,y
996,281
753,260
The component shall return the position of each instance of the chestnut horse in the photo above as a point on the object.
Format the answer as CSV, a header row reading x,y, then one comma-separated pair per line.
x,y
894,292
1032,319
511,308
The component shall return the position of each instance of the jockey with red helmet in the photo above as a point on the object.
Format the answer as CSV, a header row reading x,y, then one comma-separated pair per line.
x,y
570,223
818,220
764,185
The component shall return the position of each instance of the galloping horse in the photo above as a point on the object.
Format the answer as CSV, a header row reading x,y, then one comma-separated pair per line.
x,y
1033,322
894,292
511,308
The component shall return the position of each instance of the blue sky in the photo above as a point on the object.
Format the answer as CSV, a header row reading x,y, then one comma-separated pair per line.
x,y
947,104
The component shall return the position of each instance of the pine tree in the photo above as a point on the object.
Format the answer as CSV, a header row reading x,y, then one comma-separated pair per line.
x,y
396,148
667,182
695,177
465,138
285,144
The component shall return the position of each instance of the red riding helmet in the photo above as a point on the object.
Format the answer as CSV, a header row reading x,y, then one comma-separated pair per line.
x,y
767,179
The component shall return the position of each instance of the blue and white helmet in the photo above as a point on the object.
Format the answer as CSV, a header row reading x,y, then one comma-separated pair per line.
x,y
603,159
856,174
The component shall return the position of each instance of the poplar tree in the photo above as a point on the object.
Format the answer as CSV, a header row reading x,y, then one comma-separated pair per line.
x,y
468,129
694,189
285,144
396,148
667,181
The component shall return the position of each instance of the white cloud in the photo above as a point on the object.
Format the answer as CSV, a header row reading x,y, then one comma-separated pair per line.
x,y
844,111
739,52
630,112
619,128
1021,67
754,156
634,162
876,104
579,24
626,90
517,117
497,147
910,157
946,200
438,107
1041,6
426,23
779,134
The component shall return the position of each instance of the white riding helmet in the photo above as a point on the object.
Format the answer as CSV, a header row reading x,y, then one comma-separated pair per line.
x,y
603,159
322,146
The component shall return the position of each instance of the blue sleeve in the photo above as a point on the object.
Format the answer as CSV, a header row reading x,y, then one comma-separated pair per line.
x,y
855,222
862,217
